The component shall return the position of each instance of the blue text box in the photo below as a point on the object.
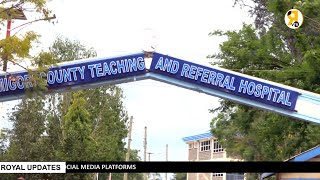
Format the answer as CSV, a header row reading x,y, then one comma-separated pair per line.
x,y
224,81
83,72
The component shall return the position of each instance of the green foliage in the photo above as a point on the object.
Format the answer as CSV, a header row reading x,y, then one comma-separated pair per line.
x,y
40,8
20,47
270,50
245,49
78,143
109,121
64,49
253,134
131,176
87,125
3,146
180,176
29,117
27,137
16,48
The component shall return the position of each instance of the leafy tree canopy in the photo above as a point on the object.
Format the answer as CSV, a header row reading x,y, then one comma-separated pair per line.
x,y
86,125
16,47
270,50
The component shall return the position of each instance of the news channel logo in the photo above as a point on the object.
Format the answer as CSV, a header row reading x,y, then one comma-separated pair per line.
x,y
293,18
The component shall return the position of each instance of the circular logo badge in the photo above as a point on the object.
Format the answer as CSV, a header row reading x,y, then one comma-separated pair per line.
x,y
293,18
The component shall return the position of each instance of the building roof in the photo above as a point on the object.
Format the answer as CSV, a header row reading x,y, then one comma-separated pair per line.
x,y
304,156
198,137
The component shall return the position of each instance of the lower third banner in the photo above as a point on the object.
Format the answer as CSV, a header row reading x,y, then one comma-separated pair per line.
x,y
32,167
136,167
227,167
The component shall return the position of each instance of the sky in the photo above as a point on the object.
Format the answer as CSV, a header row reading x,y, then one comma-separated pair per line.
x,y
178,28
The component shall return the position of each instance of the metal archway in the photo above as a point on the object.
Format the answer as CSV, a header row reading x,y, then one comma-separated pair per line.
x,y
223,83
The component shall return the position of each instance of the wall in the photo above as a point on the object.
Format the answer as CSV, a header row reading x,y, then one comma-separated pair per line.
x,y
192,155
298,175
192,176
204,155
204,176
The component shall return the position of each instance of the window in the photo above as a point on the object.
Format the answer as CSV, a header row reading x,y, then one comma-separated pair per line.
x,y
216,146
235,176
190,145
205,146
217,175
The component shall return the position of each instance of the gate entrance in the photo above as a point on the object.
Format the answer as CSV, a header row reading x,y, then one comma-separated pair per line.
x,y
219,82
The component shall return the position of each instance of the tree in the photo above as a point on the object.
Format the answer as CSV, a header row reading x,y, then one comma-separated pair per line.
x,y
78,144
106,121
109,121
154,176
134,156
3,142
13,46
180,176
86,125
27,135
77,129
271,51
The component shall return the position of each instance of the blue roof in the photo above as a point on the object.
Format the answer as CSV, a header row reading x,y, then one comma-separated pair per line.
x,y
304,156
197,137
309,154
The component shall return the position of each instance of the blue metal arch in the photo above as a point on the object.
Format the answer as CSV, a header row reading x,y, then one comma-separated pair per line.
x,y
125,70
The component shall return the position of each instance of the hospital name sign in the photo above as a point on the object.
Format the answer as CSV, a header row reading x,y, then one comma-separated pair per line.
x,y
104,69
224,81
109,69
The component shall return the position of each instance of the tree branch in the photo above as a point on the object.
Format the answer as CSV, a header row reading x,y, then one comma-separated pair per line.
x,y
27,23
14,6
